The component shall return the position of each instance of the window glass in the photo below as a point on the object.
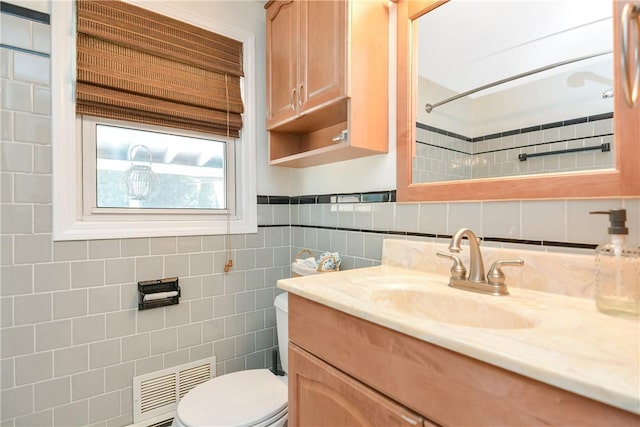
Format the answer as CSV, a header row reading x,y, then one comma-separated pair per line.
x,y
138,168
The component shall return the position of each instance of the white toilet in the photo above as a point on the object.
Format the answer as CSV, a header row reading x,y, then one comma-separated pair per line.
x,y
251,398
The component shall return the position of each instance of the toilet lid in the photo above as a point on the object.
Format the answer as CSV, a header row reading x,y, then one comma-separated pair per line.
x,y
241,399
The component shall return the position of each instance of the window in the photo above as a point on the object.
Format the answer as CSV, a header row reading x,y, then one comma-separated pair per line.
x,y
130,166
114,178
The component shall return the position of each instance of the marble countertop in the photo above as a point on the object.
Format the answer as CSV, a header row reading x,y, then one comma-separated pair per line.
x,y
569,344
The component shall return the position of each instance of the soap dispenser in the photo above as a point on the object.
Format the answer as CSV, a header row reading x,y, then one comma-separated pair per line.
x,y
617,290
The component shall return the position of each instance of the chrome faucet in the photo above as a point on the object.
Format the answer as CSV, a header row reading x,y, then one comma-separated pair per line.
x,y
476,281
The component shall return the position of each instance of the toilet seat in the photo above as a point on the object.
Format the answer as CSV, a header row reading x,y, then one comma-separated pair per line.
x,y
250,398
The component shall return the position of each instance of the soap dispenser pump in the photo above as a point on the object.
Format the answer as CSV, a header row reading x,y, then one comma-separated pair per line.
x,y
617,290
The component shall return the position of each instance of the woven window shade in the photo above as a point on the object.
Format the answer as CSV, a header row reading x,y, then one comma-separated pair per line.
x,y
141,66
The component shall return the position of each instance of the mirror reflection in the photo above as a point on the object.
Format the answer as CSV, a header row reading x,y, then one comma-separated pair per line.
x,y
513,88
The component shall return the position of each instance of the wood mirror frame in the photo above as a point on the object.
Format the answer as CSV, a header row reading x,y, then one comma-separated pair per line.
x,y
623,181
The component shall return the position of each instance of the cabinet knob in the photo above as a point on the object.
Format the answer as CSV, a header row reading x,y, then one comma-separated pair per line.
x,y
300,94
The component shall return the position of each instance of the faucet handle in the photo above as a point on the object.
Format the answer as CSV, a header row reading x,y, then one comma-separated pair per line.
x,y
457,269
496,276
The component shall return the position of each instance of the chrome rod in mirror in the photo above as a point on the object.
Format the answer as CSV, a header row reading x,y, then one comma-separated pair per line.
x,y
430,107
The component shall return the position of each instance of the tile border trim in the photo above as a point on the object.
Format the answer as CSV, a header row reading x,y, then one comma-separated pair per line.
x,y
23,12
367,197
535,128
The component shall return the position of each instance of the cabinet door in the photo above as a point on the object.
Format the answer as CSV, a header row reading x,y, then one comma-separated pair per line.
x,y
323,52
320,395
282,57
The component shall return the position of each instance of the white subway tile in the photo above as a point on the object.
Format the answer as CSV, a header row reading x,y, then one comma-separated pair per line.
x,y
104,249
6,312
15,96
34,368
7,374
383,216
176,265
191,288
189,335
121,323
465,215
41,100
406,217
104,353
119,376
29,309
16,218
86,274
134,247
32,188
16,402
149,268
37,419
6,63
70,250
163,245
87,384
71,360
51,277
42,218
15,31
501,219
135,347
16,157
32,128
75,414
176,315
224,349
150,320
129,296
149,364
118,271
88,329
41,37
104,407
69,304
52,393
31,68
16,341
53,335
544,220
163,341
104,299
189,244
265,215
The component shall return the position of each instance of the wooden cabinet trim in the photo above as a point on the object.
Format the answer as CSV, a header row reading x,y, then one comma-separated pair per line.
x,y
447,387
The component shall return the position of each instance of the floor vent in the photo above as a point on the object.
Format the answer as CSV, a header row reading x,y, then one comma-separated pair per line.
x,y
157,393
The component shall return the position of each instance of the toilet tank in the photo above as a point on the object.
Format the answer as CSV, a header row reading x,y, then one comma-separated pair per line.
x,y
282,324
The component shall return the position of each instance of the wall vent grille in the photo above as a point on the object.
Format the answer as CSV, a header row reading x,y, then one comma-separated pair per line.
x,y
159,392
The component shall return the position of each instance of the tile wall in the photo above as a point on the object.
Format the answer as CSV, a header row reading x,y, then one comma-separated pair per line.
x,y
443,156
71,336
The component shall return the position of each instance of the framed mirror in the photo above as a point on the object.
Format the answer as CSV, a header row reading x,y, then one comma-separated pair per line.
x,y
535,117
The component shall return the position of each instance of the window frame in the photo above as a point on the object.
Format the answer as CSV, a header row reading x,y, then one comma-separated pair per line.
x,y
86,137
69,220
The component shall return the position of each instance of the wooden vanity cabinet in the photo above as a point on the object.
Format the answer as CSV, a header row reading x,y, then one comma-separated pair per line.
x,y
327,72
325,396
341,364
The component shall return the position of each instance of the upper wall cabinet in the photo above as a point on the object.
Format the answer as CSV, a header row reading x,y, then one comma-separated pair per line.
x,y
327,80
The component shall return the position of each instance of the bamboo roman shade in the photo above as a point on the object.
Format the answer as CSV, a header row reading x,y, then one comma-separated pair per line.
x,y
141,66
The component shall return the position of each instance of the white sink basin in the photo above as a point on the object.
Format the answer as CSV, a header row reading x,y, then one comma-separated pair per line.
x,y
461,310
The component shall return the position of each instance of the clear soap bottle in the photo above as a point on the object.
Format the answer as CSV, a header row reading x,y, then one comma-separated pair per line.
x,y
617,290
